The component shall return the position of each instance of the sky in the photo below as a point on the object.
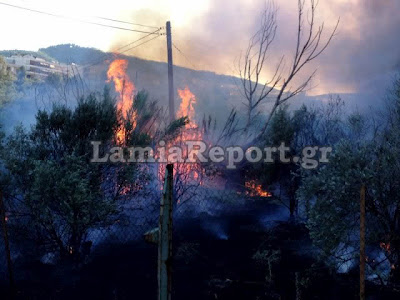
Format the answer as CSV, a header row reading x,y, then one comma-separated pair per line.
x,y
212,33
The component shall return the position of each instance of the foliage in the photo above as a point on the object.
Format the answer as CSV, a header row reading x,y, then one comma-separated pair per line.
x,y
53,182
173,127
281,127
268,258
335,191
6,83
281,130
70,53
331,194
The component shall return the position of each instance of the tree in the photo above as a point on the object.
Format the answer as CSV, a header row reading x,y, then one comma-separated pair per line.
x,y
282,130
332,196
52,183
252,64
6,83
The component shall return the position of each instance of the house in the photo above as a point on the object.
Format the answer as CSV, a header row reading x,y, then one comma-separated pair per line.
x,y
35,67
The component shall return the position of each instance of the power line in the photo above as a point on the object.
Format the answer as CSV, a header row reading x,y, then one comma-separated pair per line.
x,y
139,44
71,18
139,39
119,49
184,56
124,22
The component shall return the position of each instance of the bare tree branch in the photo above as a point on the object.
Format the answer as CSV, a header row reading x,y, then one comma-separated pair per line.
x,y
309,46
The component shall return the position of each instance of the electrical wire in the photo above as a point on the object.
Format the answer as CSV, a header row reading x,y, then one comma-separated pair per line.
x,y
71,18
154,32
119,49
139,45
124,22
184,56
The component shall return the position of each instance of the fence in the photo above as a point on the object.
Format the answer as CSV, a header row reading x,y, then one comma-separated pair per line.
x,y
115,256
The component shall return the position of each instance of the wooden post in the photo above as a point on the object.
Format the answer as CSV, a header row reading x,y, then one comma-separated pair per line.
x,y
171,91
362,242
165,237
7,244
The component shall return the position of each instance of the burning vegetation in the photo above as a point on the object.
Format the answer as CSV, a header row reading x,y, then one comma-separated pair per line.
x,y
125,89
64,203
253,189
185,173
186,108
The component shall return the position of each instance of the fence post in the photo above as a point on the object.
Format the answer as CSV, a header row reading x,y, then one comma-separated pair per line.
x,y
362,243
7,244
165,237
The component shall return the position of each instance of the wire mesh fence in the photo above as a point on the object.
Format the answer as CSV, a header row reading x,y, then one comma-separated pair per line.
x,y
204,210
139,214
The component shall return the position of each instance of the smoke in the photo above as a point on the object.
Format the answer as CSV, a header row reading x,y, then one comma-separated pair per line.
x,y
34,97
366,51
360,58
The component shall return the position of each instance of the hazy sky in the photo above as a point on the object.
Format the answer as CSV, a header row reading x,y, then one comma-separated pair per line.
x,y
212,33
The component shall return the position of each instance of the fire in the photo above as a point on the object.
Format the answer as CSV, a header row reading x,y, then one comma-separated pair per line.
x,y
255,189
186,108
188,172
125,88
191,130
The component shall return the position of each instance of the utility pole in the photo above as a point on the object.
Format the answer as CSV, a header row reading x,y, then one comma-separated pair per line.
x,y
170,75
362,242
165,237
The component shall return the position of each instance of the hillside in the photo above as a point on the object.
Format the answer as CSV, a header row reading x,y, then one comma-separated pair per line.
x,y
39,54
212,90
216,94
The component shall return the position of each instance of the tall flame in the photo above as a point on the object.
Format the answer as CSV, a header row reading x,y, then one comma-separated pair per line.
x,y
191,132
125,88
186,108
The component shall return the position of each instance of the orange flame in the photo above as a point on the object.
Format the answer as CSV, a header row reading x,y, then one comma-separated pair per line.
x,y
186,108
191,132
255,189
125,88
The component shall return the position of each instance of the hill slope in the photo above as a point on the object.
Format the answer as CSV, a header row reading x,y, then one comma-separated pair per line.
x,y
212,90
216,94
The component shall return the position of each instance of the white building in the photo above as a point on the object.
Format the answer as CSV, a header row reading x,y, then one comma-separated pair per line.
x,y
35,67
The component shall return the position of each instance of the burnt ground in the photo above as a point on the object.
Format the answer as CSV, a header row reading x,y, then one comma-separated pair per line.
x,y
214,258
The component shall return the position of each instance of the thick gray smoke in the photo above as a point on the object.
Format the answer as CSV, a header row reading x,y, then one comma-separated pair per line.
x,y
366,51
362,57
